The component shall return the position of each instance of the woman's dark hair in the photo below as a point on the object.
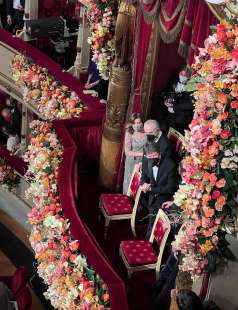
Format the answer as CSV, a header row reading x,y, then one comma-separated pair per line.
x,y
151,147
131,121
188,300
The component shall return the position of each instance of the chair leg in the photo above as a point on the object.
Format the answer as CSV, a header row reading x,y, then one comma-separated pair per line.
x,y
107,221
99,216
130,272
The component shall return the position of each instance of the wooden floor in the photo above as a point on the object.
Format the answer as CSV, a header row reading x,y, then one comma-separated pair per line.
x,y
6,267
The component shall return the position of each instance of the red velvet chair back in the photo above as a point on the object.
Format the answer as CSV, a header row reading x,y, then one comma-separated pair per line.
x,y
24,299
160,230
176,140
134,184
18,280
160,233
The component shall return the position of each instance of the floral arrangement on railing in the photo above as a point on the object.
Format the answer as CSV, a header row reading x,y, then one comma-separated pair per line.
x,y
40,89
102,19
210,180
72,284
9,179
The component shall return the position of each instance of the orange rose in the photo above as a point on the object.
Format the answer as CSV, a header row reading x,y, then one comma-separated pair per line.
x,y
220,203
234,104
223,116
222,98
208,212
221,183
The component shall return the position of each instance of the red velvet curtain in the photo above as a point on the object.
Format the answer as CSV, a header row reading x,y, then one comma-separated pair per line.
x,y
197,28
49,8
142,39
169,62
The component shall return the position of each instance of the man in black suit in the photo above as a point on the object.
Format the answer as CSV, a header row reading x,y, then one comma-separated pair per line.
x,y
15,13
154,134
159,180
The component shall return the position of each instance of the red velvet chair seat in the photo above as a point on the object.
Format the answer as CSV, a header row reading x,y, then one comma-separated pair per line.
x,y
139,252
116,204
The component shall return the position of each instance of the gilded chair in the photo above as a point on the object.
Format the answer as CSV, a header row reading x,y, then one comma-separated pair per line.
x,y
139,255
177,141
115,207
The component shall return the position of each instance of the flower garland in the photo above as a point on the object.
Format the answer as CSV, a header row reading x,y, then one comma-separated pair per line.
x,y
52,99
209,179
72,283
102,19
9,179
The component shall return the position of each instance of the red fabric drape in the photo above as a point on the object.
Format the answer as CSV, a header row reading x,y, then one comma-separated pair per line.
x,y
196,28
142,39
169,13
49,8
169,62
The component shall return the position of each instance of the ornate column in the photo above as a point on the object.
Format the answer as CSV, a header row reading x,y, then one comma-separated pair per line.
x,y
118,97
118,94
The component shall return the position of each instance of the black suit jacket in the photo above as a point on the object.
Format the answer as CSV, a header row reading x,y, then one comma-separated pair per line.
x,y
166,183
164,147
9,6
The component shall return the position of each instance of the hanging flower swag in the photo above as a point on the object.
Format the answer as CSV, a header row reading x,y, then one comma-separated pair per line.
x,y
102,19
209,179
9,179
52,99
72,283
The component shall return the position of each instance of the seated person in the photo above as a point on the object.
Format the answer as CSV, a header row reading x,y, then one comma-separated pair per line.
x,y
5,297
12,141
103,90
93,79
12,118
154,134
185,299
159,180
165,283
179,104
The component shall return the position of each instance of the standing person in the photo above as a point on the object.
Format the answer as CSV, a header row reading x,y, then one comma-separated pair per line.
x,y
15,14
135,140
93,78
154,134
159,180
2,14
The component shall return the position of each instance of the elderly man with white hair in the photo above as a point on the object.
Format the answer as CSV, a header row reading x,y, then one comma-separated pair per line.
x,y
154,134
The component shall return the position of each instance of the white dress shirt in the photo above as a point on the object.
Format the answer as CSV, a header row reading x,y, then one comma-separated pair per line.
x,y
17,5
12,142
155,171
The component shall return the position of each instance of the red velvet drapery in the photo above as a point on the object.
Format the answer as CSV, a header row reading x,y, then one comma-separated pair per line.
x,y
49,8
142,39
197,27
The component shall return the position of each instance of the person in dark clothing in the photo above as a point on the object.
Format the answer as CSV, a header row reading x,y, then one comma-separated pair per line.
x,y
3,16
179,103
93,77
15,14
154,134
165,283
12,119
159,180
